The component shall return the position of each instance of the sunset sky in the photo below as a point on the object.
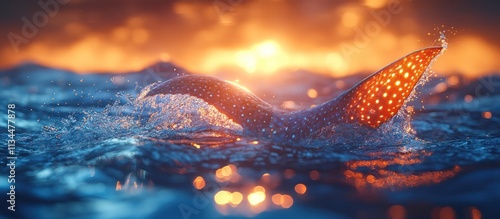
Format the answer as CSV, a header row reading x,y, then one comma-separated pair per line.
x,y
248,36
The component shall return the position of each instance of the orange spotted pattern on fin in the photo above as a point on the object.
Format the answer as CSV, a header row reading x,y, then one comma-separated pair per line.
x,y
371,102
379,97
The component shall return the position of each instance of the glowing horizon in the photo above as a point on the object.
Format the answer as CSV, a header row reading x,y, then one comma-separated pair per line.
x,y
336,39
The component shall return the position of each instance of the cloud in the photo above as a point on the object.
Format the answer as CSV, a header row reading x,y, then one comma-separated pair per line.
x,y
207,36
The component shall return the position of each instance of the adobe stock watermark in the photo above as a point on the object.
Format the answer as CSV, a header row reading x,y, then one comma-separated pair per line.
x,y
381,18
151,77
49,9
462,111
201,200
224,7
11,157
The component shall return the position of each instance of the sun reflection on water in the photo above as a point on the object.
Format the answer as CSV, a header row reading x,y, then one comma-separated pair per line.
x,y
257,196
199,182
247,196
236,189
242,191
380,175
227,173
134,182
300,188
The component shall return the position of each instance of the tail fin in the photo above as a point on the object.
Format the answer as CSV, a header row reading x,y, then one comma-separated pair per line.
x,y
378,98
230,99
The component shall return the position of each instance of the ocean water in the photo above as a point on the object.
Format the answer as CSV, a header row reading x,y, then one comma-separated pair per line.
x,y
87,147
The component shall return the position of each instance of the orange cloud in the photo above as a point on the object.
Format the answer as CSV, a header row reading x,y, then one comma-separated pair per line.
x,y
256,37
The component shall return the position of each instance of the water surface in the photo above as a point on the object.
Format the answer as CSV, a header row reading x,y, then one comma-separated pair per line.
x,y
88,148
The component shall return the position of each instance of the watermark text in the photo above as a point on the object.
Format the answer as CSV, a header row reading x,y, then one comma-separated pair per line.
x,y
11,157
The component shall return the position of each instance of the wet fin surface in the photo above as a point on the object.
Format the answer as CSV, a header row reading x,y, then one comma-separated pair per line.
x,y
238,104
371,102
379,97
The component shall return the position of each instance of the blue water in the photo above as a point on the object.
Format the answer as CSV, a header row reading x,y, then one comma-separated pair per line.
x,y
86,147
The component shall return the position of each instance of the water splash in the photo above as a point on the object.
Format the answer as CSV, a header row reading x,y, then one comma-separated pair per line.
x,y
443,40
180,112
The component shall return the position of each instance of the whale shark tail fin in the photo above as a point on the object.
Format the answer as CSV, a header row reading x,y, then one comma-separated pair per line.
x,y
379,97
235,101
